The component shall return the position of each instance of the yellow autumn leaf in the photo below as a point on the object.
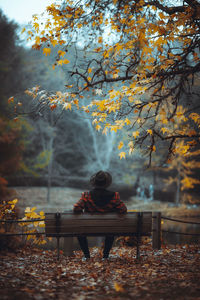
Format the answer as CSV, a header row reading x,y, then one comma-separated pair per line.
x,y
163,129
98,127
118,287
164,121
127,121
100,39
60,62
180,111
61,53
195,117
121,144
54,42
41,224
66,61
30,210
187,183
122,155
154,148
150,131
89,70
23,30
37,40
36,26
61,42
47,51
27,210
14,201
135,134
67,106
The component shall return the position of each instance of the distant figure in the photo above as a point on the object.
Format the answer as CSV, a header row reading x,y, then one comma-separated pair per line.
x,y
99,200
141,192
151,192
138,191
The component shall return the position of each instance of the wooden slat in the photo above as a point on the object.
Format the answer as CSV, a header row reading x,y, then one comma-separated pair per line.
x,y
97,229
72,217
96,216
97,224
96,234
94,224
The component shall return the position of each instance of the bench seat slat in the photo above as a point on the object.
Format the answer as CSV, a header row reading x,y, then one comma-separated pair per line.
x,y
67,223
97,230
95,224
96,234
72,216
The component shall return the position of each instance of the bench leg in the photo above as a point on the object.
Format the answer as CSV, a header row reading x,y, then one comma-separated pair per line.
x,y
138,248
58,248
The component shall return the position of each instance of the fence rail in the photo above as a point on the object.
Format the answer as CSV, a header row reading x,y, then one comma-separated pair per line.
x,y
182,233
180,221
22,221
22,234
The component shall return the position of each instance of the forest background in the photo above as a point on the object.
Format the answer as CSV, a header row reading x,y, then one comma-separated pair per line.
x,y
44,144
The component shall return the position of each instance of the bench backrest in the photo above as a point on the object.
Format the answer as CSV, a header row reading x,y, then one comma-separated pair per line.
x,y
70,224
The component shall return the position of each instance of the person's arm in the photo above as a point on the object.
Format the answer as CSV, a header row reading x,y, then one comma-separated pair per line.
x,y
119,205
80,205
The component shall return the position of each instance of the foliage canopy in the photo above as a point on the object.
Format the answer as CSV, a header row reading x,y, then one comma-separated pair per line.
x,y
141,66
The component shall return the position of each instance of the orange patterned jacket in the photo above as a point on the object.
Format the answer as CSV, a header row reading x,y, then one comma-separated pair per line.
x,y
86,204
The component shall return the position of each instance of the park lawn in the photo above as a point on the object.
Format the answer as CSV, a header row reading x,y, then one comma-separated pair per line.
x,y
169,273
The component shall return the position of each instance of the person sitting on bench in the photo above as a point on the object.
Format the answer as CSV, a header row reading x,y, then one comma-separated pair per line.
x,y
99,200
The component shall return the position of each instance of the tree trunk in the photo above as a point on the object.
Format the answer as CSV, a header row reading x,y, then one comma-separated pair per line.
x,y
178,187
50,165
49,181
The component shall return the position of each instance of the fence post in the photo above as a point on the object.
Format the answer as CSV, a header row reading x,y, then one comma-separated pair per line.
x,y
139,230
57,217
156,230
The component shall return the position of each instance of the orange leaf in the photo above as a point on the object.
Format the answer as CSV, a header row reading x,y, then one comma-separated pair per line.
x,y
11,99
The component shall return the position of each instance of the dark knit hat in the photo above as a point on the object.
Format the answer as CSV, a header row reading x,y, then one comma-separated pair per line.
x,y
101,179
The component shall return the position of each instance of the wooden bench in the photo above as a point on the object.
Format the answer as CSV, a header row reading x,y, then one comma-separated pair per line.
x,y
131,224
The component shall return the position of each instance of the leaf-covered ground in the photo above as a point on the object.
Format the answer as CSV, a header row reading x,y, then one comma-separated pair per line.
x,y
170,273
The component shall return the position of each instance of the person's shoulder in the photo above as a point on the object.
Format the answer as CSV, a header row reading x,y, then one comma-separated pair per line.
x,y
114,195
85,194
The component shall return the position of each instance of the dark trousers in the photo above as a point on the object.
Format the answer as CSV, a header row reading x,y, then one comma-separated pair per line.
x,y
83,242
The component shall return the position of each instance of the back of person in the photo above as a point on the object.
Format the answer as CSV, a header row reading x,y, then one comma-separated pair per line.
x,y
99,200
